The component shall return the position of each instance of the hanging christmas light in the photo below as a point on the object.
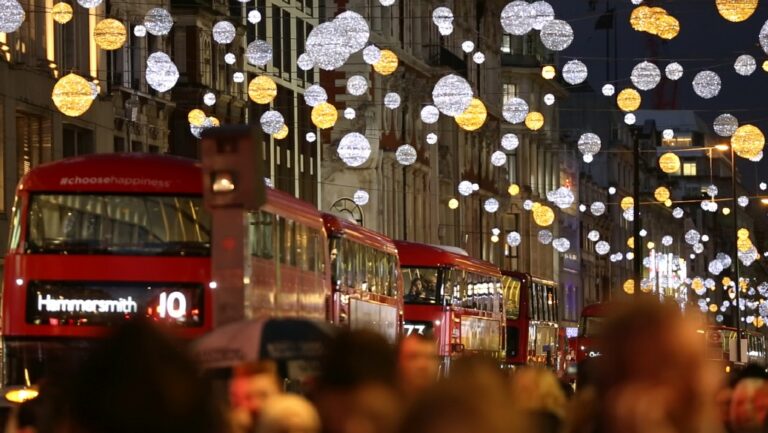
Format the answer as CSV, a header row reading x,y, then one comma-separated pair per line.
x,y
645,76
223,32
430,114
545,236
707,84
406,154
556,35
736,10
161,73
282,133
361,197
491,205
315,95
262,89
575,72
562,197
72,95
324,115
357,85
209,99
628,100
548,72
748,141
543,13
608,90
517,18
387,63
597,208
271,122
661,194
452,95
254,16
304,62
356,28
534,120
473,117
589,143
196,117
109,34
259,53
158,21
392,100
510,141
62,12
11,16
328,46
561,244
669,163
725,125
354,149
514,189
602,248
543,215
478,58
371,54
498,158
674,71
350,113
515,110
514,239
465,188
745,65
593,235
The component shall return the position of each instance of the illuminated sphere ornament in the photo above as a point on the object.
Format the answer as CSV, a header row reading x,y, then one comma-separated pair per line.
x,y
430,114
629,286
528,205
669,163
556,35
666,240
473,117
465,188
627,203
478,58
310,137
748,141
515,110
139,31
743,201
628,100
109,34
498,158
534,120
736,10
545,237
224,32
356,28
548,72
89,3
387,63
196,117
304,62
725,125
361,197
510,141
254,16
763,37
271,122
72,95
575,72
406,154
230,59
350,113
282,133
354,149
262,89
712,191
597,208
467,46
514,189
593,235
589,143
442,16
62,12
259,53
661,194
630,119
371,54
517,18
328,46
392,100
431,138
745,65
543,13
668,134
11,16
561,244
715,267
315,95
549,99
491,205
562,197
452,95
602,248
514,239
453,203
707,84
209,99
645,76
162,74
324,115
608,90
692,237
543,215
674,71
158,21
357,85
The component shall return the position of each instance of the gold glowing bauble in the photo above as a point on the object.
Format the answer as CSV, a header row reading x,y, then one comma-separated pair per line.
x,y
494,238
324,115
661,194
667,27
726,211
713,308
742,233
748,141
736,11
282,133
631,242
726,281
543,215
109,34
697,284
514,189
669,163
654,20
215,122
651,245
668,203
473,117
628,100
548,72
759,322
453,203
534,120
765,65
62,13
744,245
387,63
627,202
262,90
72,95
196,117
629,287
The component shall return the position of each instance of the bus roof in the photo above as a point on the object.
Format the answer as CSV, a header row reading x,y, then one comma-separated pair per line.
x,y
117,172
336,226
428,256
596,310
524,276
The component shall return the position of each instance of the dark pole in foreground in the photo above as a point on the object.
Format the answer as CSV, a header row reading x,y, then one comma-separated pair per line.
x,y
638,259
735,260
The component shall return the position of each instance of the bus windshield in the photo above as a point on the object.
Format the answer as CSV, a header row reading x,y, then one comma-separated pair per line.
x,y
591,326
420,285
511,290
125,224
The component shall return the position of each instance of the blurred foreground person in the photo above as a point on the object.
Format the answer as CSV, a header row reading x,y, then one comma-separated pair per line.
x,y
356,391
418,365
540,396
250,388
288,413
748,406
653,376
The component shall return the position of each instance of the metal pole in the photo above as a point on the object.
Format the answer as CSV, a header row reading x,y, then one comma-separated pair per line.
x,y
735,260
638,250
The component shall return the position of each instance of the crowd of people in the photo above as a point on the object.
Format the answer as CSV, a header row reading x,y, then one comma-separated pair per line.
x,y
652,378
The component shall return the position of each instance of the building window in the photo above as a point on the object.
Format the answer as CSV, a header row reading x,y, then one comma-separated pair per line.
x,y
510,91
506,44
689,169
33,141
77,141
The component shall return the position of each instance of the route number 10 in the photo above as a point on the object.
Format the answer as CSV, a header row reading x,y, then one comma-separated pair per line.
x,y
173,305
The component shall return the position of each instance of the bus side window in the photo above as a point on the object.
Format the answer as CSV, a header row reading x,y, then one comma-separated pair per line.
x,y
15,237
301,246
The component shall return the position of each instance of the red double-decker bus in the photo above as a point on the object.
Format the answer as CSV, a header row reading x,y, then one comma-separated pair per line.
x,y
590,327
365,276
454,297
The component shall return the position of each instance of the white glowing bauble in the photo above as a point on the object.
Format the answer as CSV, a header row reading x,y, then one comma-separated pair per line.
x,y
763,186
259,53
602,248
478,58
467,46
12,16
88,3
224,32
350,113
514,239
609,90
698,248
310,137
357,85
597,208
743,201
510,141
630,255
593,235
712,191
556,35
465,188
209,99
386,2
692,237
668,134
356,28
161,74
158,21
575,72
762,288
707,84
515,110
666,240
230,59
371,54
561,244
304,62
445,30
545,236
588,158
517,18
549,99
392,100
748,257
528,205
442,16
630,119
643,232
272,122
725,125
589,143
140,31
677,213
582,208
719,318
430,114
328,45
629,214
562,197
674,71
406,154
431,138
543,12
491,205
361,197
354,149
757,158
315,95
612,190
254,17
763,37
745,65
704,238
645,76
452,95
498,158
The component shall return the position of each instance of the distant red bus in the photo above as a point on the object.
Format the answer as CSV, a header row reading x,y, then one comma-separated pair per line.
x,y
590,328
365,277
532,320
722,346
454,297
